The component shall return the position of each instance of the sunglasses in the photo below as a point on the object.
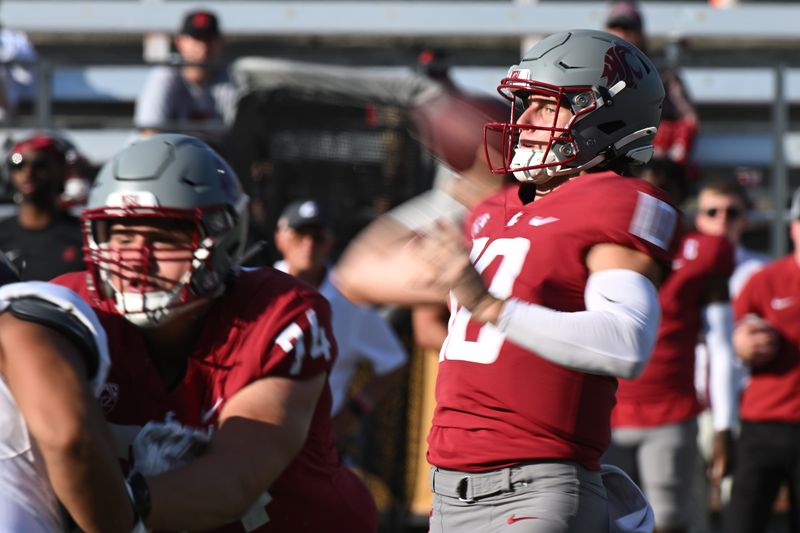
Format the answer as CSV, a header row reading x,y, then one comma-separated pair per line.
x,y
731,212
18,162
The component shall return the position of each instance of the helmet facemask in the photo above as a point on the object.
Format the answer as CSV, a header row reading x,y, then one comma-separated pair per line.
x,y
128,280
561,150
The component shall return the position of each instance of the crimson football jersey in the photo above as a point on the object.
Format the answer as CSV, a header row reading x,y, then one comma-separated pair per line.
x,y
497,403
266,324
665,392
773,293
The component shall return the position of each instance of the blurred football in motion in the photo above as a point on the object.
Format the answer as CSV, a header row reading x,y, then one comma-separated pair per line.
x,y
451,125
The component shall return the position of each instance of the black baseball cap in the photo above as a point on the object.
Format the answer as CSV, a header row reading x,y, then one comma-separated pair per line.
x,y
200,24
624,14
304,213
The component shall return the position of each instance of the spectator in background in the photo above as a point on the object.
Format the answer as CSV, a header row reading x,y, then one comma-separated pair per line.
x,y
305,240
679,123
42,240
767,339
722,207
197,93
17,56
654,435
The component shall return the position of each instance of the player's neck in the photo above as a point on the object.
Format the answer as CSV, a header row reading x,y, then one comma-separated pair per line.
x,y
197,75
176,339
34,217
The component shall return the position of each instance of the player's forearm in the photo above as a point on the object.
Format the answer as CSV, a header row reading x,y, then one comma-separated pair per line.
x,y
43,371
222,485
83,467
87,480
202,495
377,268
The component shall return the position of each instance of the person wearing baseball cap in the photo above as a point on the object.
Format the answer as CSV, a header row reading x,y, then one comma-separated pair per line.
x,y
42,239
196,94
304,237
680,123
624,16
201,24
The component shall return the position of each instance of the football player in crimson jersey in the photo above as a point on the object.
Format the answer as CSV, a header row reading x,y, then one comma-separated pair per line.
x,y
655,419
244,354
767,340
552,299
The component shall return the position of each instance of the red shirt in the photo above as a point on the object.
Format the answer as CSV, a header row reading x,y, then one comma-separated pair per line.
x,y
665,393
266,324
773,293
499,404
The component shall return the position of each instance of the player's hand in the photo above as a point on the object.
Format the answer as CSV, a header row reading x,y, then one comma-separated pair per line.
x,y
450,268
163,446
440,248
755,340
721,457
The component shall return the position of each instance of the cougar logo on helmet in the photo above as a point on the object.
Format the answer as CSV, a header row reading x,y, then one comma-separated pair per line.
x,y
619,66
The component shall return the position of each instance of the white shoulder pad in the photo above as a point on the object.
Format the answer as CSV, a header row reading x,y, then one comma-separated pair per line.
x,y
70,303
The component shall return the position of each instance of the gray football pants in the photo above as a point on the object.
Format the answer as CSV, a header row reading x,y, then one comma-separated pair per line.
x,y
545,497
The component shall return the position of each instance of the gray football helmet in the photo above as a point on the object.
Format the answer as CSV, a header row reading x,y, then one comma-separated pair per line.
x,y
611,87
165,177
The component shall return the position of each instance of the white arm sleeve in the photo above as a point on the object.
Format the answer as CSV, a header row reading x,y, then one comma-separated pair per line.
x,y
613,337
718,319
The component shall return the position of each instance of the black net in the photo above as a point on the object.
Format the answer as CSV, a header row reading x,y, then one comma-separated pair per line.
x,y
358,157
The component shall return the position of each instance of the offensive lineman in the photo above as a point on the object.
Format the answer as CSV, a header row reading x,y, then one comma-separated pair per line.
x,y
556,299
244,354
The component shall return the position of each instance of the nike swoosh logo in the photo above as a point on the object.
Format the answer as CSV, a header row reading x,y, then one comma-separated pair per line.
x,y
513,219
782,303
541,221
513,518
206,415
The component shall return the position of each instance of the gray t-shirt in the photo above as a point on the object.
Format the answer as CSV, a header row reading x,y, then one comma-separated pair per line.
x,y
168,101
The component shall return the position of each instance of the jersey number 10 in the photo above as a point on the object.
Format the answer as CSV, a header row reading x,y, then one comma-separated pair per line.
x,y
484,347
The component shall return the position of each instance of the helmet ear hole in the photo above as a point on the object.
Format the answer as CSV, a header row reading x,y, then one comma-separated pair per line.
x,y
610,127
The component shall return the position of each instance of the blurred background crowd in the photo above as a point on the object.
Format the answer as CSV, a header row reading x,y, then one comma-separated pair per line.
x,y
335,113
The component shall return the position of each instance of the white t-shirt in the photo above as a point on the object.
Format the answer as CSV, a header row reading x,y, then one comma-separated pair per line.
x,y
361,334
